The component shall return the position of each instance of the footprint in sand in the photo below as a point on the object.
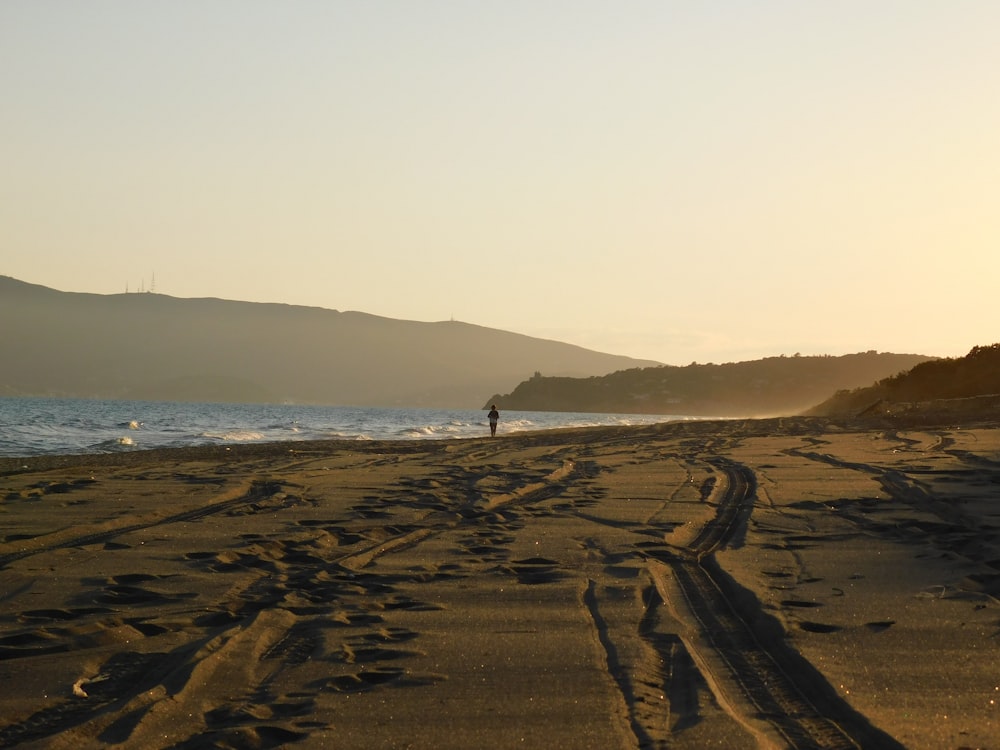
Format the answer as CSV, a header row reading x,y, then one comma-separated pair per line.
x,y
62,615
818,627
136,595
878,627
364,680
536,570
382,677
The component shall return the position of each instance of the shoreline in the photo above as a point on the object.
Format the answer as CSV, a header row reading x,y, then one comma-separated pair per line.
x,y
42,461
557,588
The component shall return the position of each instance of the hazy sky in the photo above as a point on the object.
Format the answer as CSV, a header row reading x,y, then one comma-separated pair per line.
x,y
680,181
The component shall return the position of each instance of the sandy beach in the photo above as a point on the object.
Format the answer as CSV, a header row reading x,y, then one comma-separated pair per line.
x,y
784,583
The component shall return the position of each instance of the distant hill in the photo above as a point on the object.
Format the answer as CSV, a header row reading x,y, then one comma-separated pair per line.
x,y
766,387
157,347
974,379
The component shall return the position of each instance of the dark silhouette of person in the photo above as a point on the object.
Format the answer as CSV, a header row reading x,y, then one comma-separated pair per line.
x,y
494,418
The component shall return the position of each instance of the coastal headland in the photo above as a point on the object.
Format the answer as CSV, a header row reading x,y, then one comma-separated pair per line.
x,y
786,583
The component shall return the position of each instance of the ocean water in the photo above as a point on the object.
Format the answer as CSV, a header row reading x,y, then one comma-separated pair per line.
x,y
41,426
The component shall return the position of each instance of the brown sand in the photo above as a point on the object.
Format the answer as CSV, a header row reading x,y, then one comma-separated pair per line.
x,y
772,583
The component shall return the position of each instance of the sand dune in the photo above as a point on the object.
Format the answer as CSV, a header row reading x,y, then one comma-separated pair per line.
x,y
773,583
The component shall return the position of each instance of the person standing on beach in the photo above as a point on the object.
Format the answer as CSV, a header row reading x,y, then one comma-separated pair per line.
x,y
494,418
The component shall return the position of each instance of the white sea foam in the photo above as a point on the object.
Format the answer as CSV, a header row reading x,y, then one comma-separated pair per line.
x,y
517,424
237,436
114,444
344,436
30,426
417,432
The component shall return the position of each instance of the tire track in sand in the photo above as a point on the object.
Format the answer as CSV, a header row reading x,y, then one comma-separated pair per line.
x,y
258,491
765,685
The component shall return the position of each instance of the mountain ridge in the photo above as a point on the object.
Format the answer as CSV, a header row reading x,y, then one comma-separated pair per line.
x,y
771,386
153,346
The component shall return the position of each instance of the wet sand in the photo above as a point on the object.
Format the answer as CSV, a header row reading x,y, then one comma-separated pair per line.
x,y
765,583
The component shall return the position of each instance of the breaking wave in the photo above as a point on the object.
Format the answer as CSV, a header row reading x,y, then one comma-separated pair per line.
x,y
35,426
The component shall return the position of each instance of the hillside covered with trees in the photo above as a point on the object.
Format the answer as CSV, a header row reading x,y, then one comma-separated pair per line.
x,y
974,376
766,387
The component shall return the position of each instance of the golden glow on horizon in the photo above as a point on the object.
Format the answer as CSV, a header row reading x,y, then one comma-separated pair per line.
x,y
667,181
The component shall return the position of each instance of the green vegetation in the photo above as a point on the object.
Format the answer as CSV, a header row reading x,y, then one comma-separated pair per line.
x,y
771,386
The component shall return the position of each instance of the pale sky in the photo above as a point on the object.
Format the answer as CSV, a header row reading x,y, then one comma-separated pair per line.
x,y
678,181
